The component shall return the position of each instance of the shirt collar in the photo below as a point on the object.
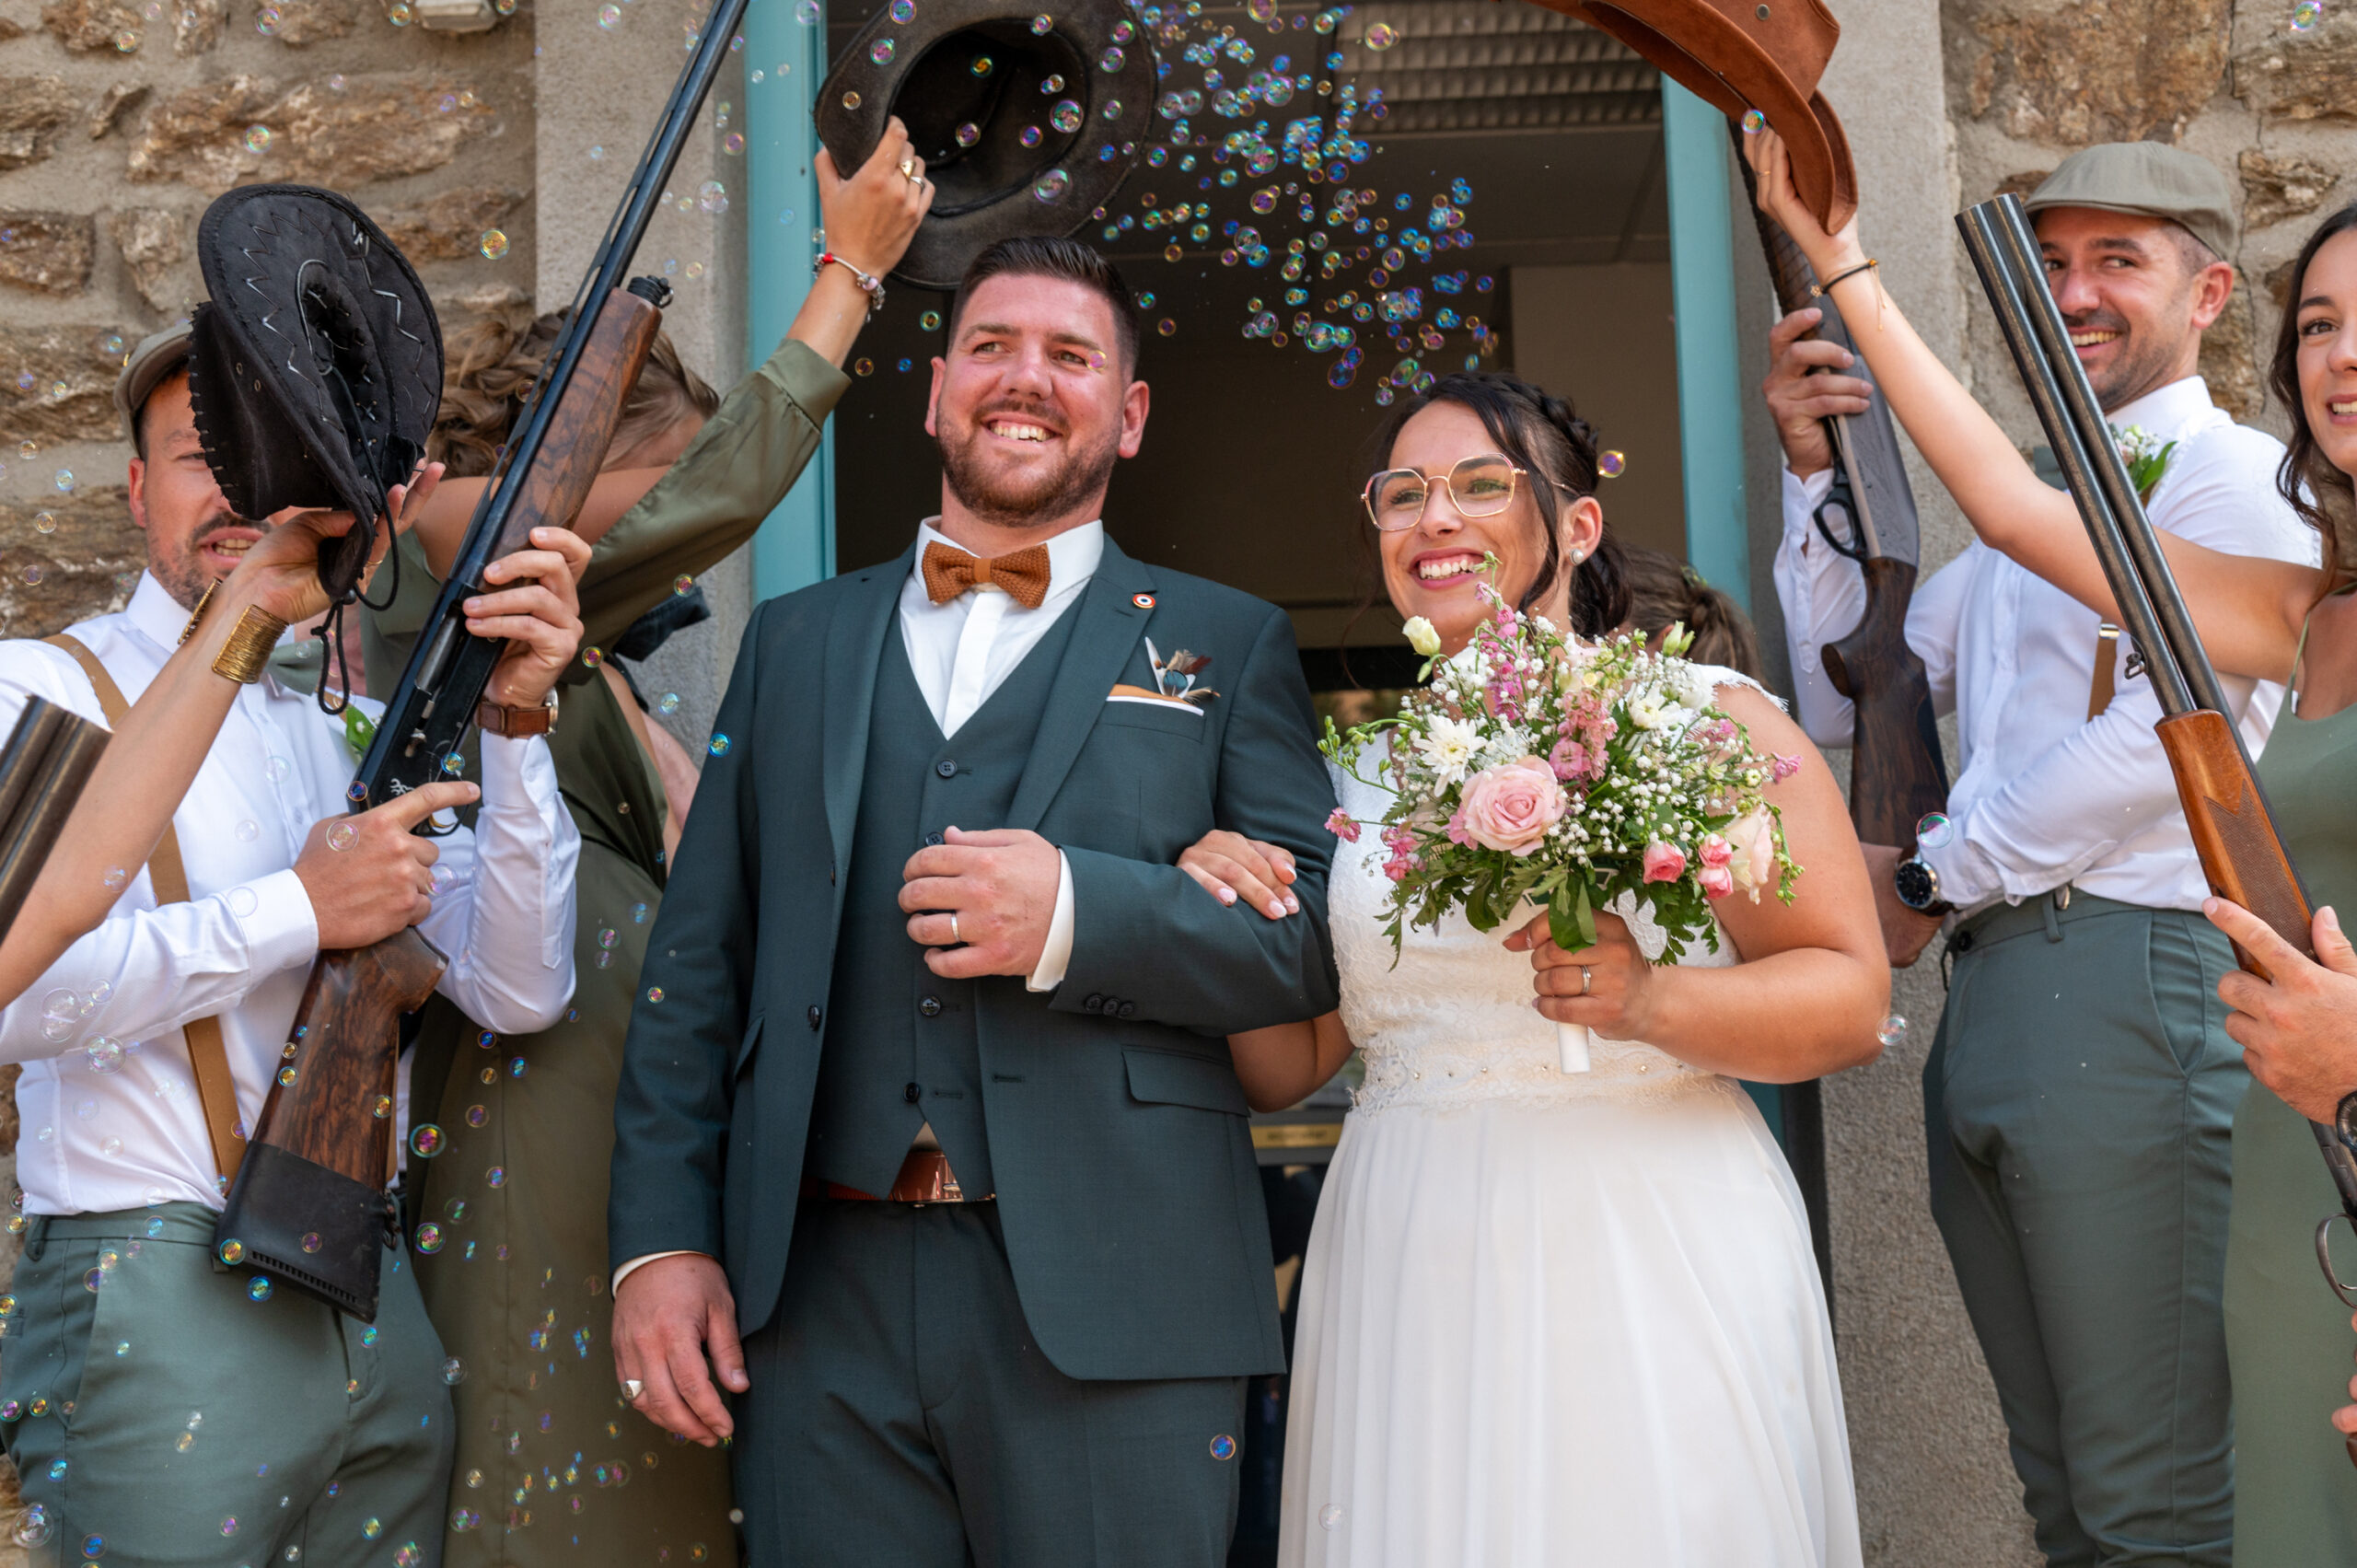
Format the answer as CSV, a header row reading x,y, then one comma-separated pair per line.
x,y
153,612
1073,555
2165,411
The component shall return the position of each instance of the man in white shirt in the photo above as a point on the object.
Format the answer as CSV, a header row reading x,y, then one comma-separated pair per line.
x,y
927,1095
160,1404
2078,1099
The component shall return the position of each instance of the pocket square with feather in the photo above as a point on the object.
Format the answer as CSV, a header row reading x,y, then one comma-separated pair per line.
x,y
1174,681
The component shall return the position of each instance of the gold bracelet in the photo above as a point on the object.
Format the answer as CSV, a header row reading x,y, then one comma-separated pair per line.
x,y
196,616
244,656
1818,291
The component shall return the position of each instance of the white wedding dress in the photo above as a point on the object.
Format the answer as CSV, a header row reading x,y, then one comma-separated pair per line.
x,y
1549,1319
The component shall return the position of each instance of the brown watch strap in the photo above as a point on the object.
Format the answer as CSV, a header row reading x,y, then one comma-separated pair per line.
x,y
515,722
217,1091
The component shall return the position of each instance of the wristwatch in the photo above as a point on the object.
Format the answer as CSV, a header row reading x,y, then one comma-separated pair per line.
x,y
1918,886
2344,1120
517,723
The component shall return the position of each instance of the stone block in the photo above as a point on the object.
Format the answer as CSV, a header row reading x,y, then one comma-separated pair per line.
x,y
308,22
2279,187
87,25
57,384
31,109
2077,72
2229,361
2019,184
380,126
48,252
2289,75
85,564
154,242
449,227
9,29
113,104
197,26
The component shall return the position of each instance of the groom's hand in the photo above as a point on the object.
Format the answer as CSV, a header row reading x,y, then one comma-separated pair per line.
x,y
667,1316
994,891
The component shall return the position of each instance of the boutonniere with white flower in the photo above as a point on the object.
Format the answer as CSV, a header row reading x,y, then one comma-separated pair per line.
x,y
2147,457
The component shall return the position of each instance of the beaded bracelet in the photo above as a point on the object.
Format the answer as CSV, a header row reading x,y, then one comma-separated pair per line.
x,y
869,283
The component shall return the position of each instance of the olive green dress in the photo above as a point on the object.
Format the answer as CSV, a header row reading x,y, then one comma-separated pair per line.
x,y
552,1467
2288,1337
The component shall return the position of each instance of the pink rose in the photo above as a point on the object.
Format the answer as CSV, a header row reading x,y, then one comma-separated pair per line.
x,y
1569,759
1340,825
1714,850
1510,806
1664,863
1717,881
1753,839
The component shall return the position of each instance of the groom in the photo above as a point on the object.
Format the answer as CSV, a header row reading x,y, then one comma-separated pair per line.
x,y
927,1095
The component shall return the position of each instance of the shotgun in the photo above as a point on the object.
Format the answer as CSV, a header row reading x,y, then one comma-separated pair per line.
x,y
308,1200
48,758
2233,831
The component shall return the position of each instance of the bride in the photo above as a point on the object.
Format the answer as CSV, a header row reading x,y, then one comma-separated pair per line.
x,y
1551,1318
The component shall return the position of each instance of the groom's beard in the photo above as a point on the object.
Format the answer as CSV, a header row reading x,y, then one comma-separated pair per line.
x,y
1012,501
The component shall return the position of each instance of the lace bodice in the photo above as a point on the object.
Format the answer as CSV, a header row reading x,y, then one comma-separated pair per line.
x,y
1451,1024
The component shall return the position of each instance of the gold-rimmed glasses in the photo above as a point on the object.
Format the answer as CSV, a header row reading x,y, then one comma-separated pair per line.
x,y
1478,486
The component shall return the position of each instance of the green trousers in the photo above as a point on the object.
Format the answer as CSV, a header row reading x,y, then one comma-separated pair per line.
x,y
901,1413
159,1413
2079,1105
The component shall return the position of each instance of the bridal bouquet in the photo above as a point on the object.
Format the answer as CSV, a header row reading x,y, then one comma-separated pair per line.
x,y
1533,770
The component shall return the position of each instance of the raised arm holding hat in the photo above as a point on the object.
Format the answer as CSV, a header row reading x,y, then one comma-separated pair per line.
x,y
2081,1094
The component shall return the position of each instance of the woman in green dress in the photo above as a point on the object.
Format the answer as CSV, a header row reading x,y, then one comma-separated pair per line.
x,y
512,1136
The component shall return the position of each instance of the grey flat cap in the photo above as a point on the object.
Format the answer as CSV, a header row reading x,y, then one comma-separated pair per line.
x,y
2150,177
153,359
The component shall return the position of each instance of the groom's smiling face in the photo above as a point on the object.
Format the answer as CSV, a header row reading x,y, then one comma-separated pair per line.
x,y
1033,403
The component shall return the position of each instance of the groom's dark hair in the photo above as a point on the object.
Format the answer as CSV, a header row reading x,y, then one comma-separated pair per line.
x,y
1048,255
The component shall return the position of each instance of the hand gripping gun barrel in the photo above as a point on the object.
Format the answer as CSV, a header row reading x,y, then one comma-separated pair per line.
x,y
308,1201
2242,856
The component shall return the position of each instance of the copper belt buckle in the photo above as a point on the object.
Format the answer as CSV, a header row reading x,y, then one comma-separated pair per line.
x,y
924,1177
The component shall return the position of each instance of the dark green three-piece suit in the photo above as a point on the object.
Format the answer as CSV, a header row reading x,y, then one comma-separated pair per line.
x,y
1055,1377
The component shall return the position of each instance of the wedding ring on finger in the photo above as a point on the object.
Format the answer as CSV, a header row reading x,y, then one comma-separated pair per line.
x,y
632,1388
1585,978
953,937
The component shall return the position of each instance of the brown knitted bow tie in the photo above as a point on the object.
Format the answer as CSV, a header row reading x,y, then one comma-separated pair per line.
x,y
949,572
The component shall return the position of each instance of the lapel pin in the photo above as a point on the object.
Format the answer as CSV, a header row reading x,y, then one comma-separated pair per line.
x,y
1144,601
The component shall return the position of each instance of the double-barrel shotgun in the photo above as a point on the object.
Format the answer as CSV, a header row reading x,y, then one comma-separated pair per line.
x,y
2234,832
308,1201
48,758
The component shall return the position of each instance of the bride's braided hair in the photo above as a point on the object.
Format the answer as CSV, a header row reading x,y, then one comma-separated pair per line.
x,y
1540,433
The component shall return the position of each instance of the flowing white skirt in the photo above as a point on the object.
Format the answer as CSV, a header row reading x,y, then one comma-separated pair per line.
x,y
1589,1333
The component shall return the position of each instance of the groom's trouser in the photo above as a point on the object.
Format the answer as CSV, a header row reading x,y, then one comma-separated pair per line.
x,y
900,1413
2079,1104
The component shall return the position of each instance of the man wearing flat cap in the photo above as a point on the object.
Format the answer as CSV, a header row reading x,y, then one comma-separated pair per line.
x,y
2080,1096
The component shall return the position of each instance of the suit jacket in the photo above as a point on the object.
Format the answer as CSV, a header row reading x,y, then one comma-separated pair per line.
x,y
1128,1193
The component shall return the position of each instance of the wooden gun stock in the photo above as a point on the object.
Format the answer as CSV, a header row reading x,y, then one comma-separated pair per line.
x,y
582,425
1896,778
309,1204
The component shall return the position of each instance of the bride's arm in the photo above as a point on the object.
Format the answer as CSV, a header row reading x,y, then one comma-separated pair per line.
x,y
1814,983
1286,1063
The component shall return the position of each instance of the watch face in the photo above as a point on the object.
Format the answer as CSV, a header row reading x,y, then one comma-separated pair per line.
x,y
2347,1120
1918,887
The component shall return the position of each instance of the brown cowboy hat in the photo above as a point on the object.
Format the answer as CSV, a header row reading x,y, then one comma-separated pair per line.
x,y
1739,55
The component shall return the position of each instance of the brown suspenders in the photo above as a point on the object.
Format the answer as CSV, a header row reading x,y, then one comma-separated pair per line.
x,y
214,1088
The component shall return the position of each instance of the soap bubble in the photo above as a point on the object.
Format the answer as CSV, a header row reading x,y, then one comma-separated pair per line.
x,y
983,65
494,244
1381,36
429,1237
342,835
1066,116
851,100
1754,122
668,704
1223,1446
655,994
904,11
1112,60
969,133
233,1251
713,196
257,1289
863,366
930,320
1029,136
258,138
1893,1030
425,1141
104,1054
1051,185
1330,1518
2305,14
808,13
718,746
1042,23
1934,831
453,1372
1611,464
311,1241
880,52
609,17
1166,327
1262,10
1054,84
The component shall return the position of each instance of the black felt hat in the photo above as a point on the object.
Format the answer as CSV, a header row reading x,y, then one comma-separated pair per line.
x,y
316,366
989,91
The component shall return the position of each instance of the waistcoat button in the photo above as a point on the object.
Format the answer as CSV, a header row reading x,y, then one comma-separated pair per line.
x,y
933,838
911,1093
813,1017
945,767
930,1006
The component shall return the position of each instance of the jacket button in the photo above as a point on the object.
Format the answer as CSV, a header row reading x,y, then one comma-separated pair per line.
x,y
913,1093
932,838
945,767
1128,1008
930,1006
813,1017
1093,1003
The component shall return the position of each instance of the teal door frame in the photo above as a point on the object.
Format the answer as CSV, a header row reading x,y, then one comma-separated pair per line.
x,y
1710,380
796,547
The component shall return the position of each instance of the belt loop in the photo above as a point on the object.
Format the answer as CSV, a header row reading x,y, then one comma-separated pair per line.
x,y
36,1236
2046,907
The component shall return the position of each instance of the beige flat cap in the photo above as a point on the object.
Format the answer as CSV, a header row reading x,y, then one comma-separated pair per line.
x,y
155,358
2150,177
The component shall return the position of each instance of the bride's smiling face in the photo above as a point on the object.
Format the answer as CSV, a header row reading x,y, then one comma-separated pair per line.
x,y
1432,568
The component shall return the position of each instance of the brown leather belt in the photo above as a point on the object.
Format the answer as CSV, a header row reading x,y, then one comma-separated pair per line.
x,y
926,1178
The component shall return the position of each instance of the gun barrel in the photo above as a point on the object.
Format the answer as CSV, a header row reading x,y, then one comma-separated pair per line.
x,y
49,756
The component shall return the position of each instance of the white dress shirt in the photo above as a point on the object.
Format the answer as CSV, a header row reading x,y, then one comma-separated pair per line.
x,y
2046,795
110,1115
